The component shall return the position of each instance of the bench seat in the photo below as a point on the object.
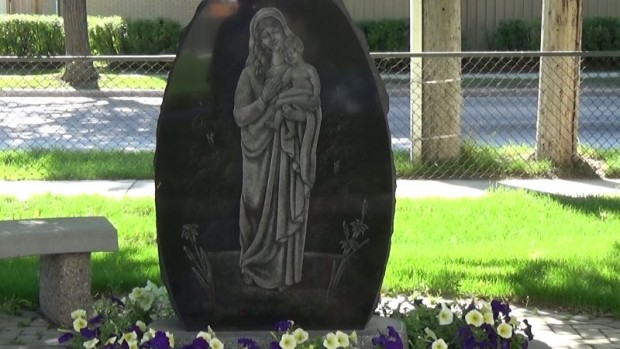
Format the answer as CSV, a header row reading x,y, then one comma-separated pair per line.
x,y
64,246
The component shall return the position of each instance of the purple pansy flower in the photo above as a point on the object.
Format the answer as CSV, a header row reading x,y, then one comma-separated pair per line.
x,y
137,330
97,320
248,343
391,341
88,333
498,306
65,337
199,343
275,345
160,341
284,325
491,333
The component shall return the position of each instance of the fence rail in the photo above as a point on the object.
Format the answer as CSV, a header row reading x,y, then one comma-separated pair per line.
x,y
482,106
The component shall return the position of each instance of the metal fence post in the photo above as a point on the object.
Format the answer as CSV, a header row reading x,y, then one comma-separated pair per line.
x,y
415,86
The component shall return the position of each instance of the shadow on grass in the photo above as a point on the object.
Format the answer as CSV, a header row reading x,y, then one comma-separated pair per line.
x,y
598,206
112,273
588,286
476,161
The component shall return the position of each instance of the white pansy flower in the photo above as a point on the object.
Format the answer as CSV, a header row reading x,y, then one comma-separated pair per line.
x,y
430,333
488,318
204,335
439,344
343,339
110,340
485,307
445,315
300,335
504,330
78,313
331,341
353,337
474,318
150,286
91,343
79,324
288,341
514,321
143,298
147,336
133,344
171,339
216,344
141,325
128,337
136,294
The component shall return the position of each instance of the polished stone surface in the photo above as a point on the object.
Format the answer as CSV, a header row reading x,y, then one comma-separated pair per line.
x,y
274,176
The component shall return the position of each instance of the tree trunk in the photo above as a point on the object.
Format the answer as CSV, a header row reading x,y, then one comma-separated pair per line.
x,y
438,95
558,99
79,74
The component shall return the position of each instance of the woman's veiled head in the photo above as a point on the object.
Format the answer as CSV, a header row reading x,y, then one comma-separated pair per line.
x,y
270,34
268,31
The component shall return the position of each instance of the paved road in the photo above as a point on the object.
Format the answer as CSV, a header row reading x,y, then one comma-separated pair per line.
x,y
130,122
500,119
78,122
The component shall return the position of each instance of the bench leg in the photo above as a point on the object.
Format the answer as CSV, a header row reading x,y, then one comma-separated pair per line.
x,y
64,285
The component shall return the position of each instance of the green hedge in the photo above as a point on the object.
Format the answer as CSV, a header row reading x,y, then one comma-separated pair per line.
x,y
105,35
25,35
386,35
155,36
43,35
599,34
515,35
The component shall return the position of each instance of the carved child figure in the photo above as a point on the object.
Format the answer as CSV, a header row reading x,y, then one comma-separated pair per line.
x,y
299,98
303,88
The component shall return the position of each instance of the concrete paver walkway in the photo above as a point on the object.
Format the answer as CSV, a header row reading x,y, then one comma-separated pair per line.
x,y
552,329
404,188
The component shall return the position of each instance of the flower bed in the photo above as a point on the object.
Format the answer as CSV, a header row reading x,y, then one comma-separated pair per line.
x,y
121,323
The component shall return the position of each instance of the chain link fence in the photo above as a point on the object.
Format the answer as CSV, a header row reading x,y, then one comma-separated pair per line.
x,y
452,115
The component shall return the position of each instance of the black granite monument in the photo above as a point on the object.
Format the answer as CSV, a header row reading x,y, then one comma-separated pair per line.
x,y
273,170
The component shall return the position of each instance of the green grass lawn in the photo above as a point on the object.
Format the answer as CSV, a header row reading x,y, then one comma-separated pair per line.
x,y
546,250
476,161
73,165
106,81
524,247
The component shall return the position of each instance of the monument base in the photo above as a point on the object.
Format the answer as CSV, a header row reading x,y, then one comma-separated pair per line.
x,y
376,325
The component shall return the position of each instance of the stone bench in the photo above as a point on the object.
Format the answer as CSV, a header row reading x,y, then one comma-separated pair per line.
x,y
64,246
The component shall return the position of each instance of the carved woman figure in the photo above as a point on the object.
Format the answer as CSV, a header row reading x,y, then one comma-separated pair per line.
x,y
274,196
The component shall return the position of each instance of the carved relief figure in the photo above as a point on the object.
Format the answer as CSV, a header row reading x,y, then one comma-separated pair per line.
x,y
277,108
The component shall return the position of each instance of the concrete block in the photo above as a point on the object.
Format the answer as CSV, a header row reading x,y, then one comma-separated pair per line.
x,y
64,285
56,235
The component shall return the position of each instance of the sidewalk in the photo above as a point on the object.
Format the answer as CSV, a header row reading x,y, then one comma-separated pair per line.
x,y
404,188
552,329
